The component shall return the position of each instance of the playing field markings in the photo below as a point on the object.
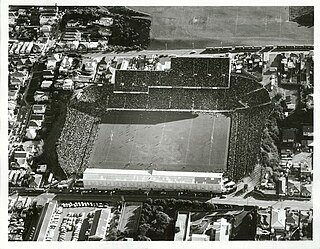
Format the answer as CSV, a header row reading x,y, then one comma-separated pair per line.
x,y
188,143
211,138
133,140
164,126
111,139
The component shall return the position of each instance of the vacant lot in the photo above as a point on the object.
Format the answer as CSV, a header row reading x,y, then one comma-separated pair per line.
x,y
162,141
211,25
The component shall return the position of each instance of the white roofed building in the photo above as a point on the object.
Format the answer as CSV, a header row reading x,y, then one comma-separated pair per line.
x,y
143,179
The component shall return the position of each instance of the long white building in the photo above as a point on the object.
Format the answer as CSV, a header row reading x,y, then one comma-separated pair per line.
x,y
142,179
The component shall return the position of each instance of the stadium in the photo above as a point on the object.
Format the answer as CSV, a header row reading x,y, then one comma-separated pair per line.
x,y
194,115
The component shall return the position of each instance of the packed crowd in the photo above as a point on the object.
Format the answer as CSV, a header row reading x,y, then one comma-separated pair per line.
x,y
256,98
72,144
187,72
130,80
175,98
240,85
242,88
245,137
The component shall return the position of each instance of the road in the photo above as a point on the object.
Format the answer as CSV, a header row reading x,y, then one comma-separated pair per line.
x,y
231,200
293,204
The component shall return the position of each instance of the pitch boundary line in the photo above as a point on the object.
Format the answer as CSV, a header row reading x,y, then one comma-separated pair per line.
x,y
188,143
111,139
133,142
211,139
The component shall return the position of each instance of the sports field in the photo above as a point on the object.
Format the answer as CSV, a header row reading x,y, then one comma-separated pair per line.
x,y
162,141
201,26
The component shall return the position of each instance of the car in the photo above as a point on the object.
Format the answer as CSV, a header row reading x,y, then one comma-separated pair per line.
x,y
223,196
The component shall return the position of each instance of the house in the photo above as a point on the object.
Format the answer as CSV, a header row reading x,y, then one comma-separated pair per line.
x,y
31,133
70,36
22,12
15,83
37,48
83,46
306,190
293,189
182,226
66,64
305,171
105,31
310,101
278,219
13,48
12,118
59,47
307,130
35,124
89,65
17,50
68,84
35,181
51,63
289,135
46,84
12,18
47,18
94,45
12,94
221,230
12,105
72,23
281,186
40,96
48,74
46,30
20,75
21,158
42,168
24,47
73,45
39,109
290,101
105,21
199,237
37,117
292,218
49,9
29,48
59,83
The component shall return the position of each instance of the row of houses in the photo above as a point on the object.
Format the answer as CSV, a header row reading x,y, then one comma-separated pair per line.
x,y
75,45
283,224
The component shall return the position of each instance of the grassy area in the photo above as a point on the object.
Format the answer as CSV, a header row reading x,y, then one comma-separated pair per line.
x,y
230,25
130,218
133,140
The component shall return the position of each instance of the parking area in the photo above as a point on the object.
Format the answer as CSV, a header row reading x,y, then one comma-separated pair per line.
x,y
71,221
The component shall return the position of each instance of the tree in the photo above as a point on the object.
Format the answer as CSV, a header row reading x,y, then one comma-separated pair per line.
x,y
162,218
143,229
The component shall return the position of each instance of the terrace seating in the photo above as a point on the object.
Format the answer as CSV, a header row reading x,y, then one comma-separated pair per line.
x,y
73,140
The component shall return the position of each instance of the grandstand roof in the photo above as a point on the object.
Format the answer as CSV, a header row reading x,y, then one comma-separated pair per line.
x,y
152,176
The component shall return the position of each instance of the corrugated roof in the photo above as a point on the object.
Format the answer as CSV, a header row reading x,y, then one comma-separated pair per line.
x,y
100,222
152,176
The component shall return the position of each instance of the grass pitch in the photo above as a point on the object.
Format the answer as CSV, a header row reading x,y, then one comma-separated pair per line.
x,y
162,141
